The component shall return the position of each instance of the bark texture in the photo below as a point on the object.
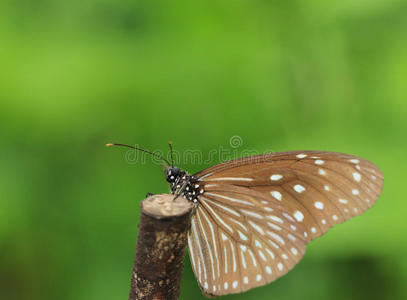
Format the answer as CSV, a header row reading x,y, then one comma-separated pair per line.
x,y
160,249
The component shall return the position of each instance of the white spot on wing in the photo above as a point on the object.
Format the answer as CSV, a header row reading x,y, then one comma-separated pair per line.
x,y
356,176
276,195
274,218
275,227
291,237
275,177
263,257
226,259
242,256
233,257
253,258
343,201
270,253
298,215
242,236
299,188
257,227
319,162
288,217
276,237
239,223
319,205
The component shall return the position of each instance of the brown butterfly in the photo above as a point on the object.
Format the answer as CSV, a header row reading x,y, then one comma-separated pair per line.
x,y
255,215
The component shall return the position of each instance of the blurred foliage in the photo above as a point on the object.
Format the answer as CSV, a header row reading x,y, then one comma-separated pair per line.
x,y
283,75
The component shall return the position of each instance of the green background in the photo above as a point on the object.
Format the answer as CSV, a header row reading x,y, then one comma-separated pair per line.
x,y
282,75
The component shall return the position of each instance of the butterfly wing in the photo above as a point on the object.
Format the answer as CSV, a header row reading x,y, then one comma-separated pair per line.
x,y
256,214
241,239
319,189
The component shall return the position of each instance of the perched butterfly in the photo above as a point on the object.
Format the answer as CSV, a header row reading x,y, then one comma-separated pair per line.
x,y
255,215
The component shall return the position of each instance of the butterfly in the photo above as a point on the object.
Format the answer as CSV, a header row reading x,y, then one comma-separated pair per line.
x,y
255,215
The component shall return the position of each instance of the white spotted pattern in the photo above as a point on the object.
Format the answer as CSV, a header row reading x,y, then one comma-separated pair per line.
x,y
254,216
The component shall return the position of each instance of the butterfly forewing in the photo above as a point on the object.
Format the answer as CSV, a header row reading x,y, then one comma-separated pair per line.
x,y
319,189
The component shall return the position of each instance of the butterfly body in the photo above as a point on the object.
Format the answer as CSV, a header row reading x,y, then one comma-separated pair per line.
x,y
255,215
181,183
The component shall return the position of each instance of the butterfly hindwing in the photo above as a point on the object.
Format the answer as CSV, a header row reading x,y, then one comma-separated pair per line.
x,y
238,241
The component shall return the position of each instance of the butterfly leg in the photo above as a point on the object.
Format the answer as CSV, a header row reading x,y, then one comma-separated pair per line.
x,y
149,194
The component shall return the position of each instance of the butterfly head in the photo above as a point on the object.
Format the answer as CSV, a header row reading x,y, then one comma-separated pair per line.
x,y
171,173
174,175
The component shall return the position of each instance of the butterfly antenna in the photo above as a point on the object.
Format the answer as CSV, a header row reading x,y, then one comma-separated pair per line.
x,y
139,149
172,158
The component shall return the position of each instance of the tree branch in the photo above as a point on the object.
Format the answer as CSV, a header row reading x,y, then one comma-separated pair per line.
x,y
160,247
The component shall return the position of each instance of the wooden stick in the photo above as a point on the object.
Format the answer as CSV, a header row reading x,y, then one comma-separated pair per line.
x,y
160,249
